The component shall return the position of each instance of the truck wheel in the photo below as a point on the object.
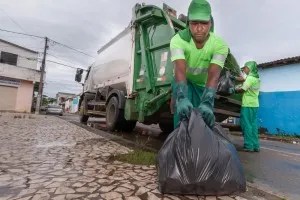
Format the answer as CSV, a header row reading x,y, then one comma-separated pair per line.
x,y
166,127
113,118
83,119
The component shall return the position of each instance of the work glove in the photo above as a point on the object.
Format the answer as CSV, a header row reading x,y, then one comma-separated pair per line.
x,y
232,77
206,106
231,90
183,104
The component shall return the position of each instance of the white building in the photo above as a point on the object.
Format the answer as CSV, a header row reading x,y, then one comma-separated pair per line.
x,y
18,73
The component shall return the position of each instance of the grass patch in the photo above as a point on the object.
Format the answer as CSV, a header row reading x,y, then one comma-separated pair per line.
x,y
137,157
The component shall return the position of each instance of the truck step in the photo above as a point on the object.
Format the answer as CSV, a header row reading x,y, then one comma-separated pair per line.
x,y
226,112
95,103
102,113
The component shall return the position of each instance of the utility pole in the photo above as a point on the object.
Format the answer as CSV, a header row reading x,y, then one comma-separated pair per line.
x,y
41,85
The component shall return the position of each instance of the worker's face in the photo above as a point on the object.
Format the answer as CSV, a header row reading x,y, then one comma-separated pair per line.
x,y
199,30
246,70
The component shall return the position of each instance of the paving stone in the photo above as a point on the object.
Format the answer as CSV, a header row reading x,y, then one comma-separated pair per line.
x,y
59,197
152,196
64,190
74,196
132,198
128,194
111,195
240,198
156,191
106,188
24,198
54,185
141,191
172,197
121,189
78,184
225,198
93,195
59,179
27,192
152,186
210,198
86,189
191,197
5,197
104,181
43,196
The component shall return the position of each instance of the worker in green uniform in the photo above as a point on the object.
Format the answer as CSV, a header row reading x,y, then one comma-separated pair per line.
x,y
199,56
250,105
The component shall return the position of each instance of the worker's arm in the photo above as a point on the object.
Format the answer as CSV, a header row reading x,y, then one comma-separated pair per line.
x,y
180,70
216,64
246,85
214,71
180,93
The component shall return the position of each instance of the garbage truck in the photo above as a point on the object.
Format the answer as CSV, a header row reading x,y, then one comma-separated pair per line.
x,y
130,80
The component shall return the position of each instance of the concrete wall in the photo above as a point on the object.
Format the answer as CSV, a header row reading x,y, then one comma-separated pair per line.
x,y
24,96
279,99
22,55
19,72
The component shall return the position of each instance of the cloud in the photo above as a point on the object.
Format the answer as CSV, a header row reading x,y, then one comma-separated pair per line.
x,y
256,29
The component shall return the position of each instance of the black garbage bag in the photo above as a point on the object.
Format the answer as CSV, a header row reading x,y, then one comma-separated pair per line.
x,y
224,84
197,160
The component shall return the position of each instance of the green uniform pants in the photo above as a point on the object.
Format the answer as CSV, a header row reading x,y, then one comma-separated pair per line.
x,y
194,95
250,128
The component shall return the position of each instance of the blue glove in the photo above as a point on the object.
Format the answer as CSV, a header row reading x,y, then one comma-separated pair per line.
x,y
183,104
206,106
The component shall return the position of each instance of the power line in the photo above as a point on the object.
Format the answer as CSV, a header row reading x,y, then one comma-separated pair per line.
x,y
61,59
11,19
66,46
51,61
4,30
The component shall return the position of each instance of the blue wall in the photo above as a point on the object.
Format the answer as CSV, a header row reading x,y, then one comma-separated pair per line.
x,y
279,112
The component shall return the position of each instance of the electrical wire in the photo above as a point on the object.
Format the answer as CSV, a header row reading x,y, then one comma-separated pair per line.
x,y
11,19
36,36
72,48
55,42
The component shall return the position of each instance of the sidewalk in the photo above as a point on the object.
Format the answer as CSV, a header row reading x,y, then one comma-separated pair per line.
x,y
44,157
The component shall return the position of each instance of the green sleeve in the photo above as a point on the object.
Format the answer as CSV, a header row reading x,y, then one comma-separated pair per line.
x,y
220,52
247,84
177,48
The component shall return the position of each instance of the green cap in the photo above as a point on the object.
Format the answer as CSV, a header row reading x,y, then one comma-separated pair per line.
x,y
199,10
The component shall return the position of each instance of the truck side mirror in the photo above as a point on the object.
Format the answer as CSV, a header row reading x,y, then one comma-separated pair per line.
x,y
78,75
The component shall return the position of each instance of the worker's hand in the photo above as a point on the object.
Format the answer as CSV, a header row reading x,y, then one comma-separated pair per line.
x,y
183,104
231,90
184,108
232,77
207,105
207,115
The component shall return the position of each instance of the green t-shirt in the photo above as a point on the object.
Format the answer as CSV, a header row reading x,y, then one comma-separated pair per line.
x,y
251,87
214,51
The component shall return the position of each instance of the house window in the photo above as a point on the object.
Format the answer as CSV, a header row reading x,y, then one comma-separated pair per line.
x,y
8,58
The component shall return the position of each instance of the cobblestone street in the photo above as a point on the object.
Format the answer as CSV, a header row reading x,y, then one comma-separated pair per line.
x,y
45,157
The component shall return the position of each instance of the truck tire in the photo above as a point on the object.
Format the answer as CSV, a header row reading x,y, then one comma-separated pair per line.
x,y
113,118
83,119
166,127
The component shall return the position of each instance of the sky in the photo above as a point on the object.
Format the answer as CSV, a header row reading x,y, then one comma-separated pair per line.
x,y
263,30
